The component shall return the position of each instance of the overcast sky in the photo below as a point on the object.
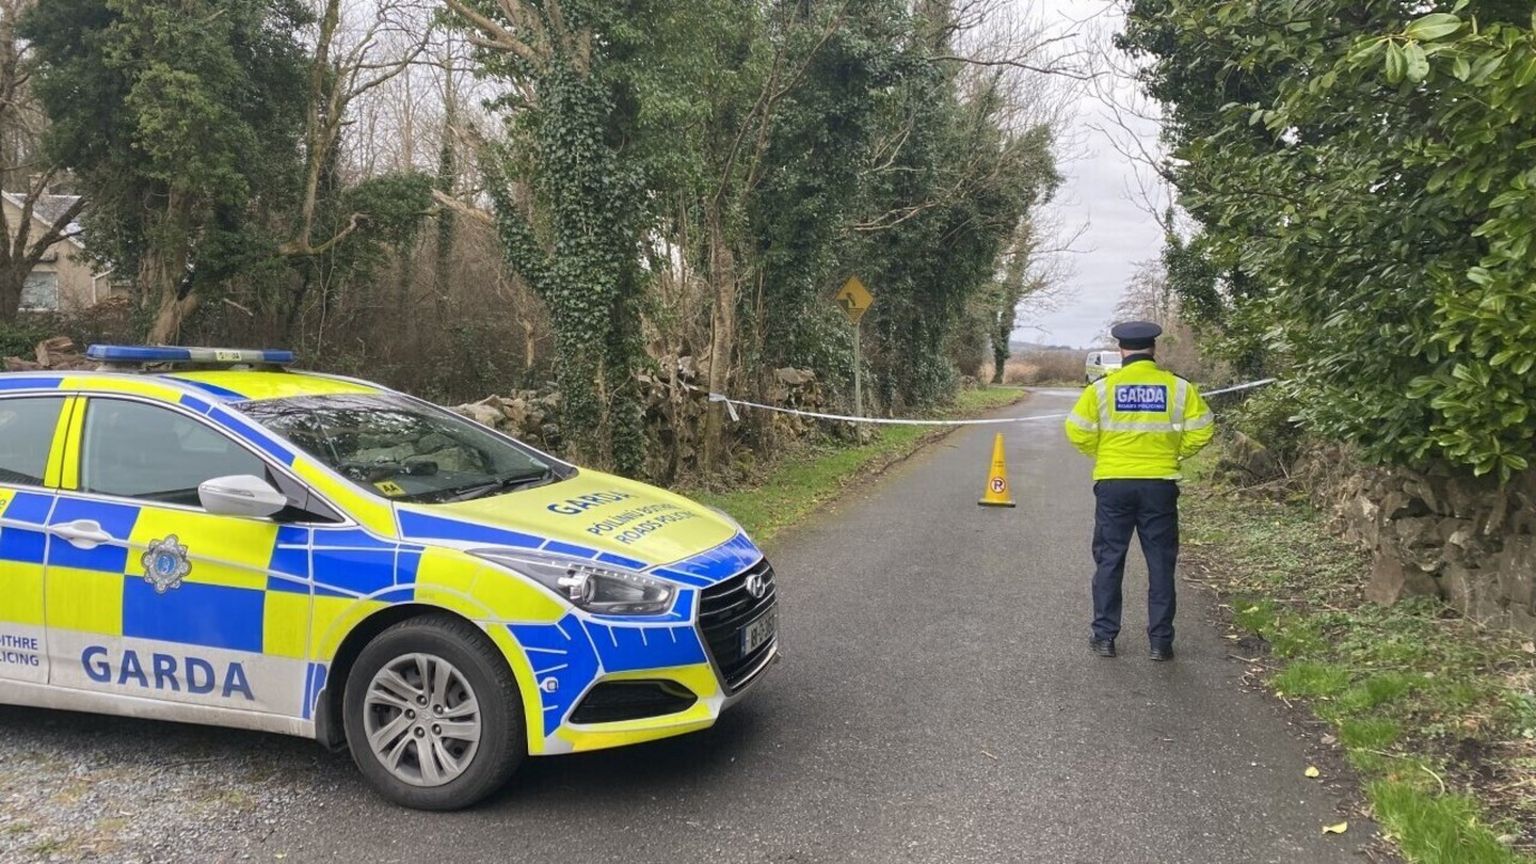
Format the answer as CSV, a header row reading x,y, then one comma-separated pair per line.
x,y
1098,197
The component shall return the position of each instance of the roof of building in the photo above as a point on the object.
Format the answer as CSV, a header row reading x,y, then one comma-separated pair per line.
x,y
47,209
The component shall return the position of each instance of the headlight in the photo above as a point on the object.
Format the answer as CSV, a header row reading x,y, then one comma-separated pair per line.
x,y
589,586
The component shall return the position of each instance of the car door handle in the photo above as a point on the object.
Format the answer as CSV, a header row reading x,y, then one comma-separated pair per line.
x,y
82,533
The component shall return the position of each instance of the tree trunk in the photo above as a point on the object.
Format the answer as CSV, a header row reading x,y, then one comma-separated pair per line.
x,y
447,176
296,302
12,280
173,312
1002,330
530,333
163,271
722,341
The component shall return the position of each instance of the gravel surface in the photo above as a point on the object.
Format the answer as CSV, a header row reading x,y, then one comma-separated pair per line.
x,y
76,787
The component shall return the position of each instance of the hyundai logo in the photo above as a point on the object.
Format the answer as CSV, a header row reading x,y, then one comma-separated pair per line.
x,y
756,586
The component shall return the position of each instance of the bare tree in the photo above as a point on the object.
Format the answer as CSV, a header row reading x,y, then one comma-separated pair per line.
x,y
24,171
350,59
1147,297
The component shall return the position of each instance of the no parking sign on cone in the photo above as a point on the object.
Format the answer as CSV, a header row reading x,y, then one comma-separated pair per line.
x,y
998,494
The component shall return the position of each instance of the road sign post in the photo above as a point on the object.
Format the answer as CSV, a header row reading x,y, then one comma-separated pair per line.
x,y
858,375
855,300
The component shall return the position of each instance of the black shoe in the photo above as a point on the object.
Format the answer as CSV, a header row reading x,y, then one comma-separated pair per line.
x,y
1102,647
1161,652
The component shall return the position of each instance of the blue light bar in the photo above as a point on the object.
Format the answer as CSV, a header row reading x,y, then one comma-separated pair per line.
x,y
170,354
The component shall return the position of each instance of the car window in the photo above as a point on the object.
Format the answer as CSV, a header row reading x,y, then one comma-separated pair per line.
x,y
135,450
26,436
401,449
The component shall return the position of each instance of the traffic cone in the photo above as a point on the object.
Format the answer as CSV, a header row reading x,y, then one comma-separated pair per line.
x,y
997,494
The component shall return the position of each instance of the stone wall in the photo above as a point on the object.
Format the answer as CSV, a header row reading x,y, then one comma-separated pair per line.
x,y
1469,541
674,405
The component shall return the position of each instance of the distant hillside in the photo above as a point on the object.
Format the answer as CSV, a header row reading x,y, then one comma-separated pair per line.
x,y
1022,347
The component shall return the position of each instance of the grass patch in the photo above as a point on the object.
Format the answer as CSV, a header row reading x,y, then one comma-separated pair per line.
x,y
801,482
1434,712
1369,733
1378,690
1437,828
1310,679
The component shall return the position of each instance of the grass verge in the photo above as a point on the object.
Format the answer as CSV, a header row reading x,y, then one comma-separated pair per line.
x,y
795,486
1435,713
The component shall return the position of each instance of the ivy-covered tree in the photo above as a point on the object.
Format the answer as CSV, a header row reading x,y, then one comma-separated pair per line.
x,y
814,161
178,119
1019,280
946,207
767,150
575,236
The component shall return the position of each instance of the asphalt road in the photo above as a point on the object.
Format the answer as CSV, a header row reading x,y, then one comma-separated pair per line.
x,y
936,702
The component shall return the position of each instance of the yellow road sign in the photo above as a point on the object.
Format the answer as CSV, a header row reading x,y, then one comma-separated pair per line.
x,y
855,299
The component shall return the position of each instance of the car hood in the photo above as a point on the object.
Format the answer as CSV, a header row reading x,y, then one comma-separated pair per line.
x,y
589,515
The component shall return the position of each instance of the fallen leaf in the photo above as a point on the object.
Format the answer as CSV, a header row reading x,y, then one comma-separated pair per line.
x,y
1336,829
1312,772
1528,647
1330,739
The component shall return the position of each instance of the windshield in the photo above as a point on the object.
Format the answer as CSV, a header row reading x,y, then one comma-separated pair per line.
x,y
403,450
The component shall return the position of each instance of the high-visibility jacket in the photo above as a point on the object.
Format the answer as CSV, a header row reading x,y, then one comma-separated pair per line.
x,y
1139,423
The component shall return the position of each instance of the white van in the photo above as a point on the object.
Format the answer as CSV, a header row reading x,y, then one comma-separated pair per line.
x,y
1101,363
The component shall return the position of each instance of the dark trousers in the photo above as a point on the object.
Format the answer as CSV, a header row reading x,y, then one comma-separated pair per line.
x,y
1151,508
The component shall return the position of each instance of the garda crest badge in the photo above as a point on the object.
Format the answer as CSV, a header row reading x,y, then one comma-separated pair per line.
x,y
165,564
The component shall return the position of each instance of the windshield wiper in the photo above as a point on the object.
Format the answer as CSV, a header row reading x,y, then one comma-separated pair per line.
x,y
501,484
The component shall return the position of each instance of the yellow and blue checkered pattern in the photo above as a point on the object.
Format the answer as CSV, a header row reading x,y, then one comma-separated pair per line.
x,y
23,547
253,586
285,596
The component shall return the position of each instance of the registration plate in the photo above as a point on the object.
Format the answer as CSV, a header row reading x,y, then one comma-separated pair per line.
x,y
759,632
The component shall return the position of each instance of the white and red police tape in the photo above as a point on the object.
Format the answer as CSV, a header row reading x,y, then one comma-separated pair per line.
x,y
732,404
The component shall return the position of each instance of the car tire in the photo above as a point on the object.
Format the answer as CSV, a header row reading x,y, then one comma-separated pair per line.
x,y
432,714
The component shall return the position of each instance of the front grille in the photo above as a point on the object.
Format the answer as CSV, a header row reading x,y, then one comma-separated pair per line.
x,y
725,610
614,701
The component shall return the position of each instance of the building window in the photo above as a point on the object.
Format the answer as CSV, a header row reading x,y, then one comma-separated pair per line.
x,y
41,291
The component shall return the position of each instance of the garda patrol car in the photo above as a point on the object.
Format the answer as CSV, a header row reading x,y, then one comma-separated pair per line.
x,y
227,542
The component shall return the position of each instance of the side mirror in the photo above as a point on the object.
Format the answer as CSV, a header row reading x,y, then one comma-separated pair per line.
x,y
240,495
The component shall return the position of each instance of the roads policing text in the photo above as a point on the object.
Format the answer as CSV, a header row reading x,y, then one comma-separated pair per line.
x,y
19,650
626,527
631,525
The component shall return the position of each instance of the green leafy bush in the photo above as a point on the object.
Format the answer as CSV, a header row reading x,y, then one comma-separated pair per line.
x,y
1362,179
20,338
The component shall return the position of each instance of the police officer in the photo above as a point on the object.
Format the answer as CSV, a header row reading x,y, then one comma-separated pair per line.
x,y
1138,424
